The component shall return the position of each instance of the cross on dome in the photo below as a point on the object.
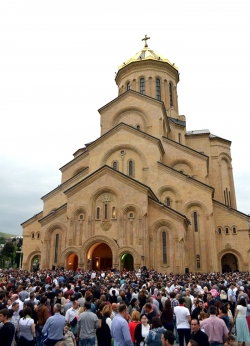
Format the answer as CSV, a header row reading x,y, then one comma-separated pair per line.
x,y
145,39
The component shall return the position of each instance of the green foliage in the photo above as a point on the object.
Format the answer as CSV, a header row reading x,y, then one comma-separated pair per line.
x,y
2,240
8,250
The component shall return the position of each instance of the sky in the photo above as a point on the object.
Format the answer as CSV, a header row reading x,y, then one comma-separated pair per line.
x,y
57,67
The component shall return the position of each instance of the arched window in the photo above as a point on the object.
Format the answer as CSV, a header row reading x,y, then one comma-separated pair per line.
x,y
158,88
105,211
131,168
219,230
138,127
195,221
81,217
168,202
113,213
142,86
179,137
38,235
131,215
170,94
56,248
98,213
198,261
32,235
234,230
115,165
226,230
164,247
128,86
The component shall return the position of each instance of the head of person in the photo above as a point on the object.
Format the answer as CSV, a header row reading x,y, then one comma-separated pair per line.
x,y
148,307
27,311
4,315
66,327
59,293
200,303
195,325
230,340
43,300
107,310
209,296
114,306
181,301
203,316
144,319
223,309
167,338
212,310
242,302
123,310
156,322
135,316
57,308
15,306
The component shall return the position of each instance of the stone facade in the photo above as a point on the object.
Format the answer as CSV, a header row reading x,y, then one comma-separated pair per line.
x,y
146,192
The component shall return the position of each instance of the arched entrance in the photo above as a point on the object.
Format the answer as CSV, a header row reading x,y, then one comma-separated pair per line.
x,y
99,257
35,263
127,261
229,263
72,262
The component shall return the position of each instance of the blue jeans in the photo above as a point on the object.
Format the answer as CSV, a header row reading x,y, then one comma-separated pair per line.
x,y
39,335
87,342
176,333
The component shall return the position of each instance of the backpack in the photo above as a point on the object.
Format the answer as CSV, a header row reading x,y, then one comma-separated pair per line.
x,y
223,295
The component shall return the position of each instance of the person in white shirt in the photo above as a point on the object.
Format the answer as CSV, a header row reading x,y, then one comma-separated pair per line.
x,y
182,322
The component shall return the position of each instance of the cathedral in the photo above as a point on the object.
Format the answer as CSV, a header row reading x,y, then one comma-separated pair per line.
x,y
147,192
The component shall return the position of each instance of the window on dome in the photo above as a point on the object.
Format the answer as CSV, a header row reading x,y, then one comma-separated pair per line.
x,y
219,230
195,221
98,213
168,202
142,86
171,95
131,168
128,86
158,89
115,165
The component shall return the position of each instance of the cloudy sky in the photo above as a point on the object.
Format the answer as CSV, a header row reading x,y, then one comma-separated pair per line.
x,y
57,67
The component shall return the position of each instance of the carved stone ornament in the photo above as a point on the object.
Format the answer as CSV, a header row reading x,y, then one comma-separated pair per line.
x,y
106,197
106,225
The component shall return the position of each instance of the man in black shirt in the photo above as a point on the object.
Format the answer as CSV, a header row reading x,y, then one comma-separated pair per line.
x,y
197,335
8,330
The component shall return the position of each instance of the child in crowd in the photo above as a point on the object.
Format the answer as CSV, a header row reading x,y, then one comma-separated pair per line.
x,y
69,336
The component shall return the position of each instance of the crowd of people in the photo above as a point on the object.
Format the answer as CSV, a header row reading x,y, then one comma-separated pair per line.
x,y
123,308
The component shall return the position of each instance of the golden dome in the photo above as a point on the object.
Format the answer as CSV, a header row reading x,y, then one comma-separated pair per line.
x,y
147,54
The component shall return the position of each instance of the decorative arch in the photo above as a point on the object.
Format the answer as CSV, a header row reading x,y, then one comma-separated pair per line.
x,y
54,226
31,256
195,204
168,188
104,189
187,163
98,239
131,207
131,250
224,156
78,170
142,115
74,213
229,250
121,147
69,250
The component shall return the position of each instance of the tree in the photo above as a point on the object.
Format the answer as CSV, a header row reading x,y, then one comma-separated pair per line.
x,y
8,250
2,240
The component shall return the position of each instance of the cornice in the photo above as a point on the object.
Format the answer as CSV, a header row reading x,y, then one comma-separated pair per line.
x,y
175,214
108,170
74,160
32,219
185,148
62,186
131,129
231,210
186,178
53,215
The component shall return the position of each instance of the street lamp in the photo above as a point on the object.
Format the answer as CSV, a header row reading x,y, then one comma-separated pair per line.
x,y
20,259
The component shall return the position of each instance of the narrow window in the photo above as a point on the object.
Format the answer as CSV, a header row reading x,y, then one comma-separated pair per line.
x,y
219,230
168,202
198,261
229,199
113,213
171,94
81,217
226,230
142,86
115,165
56,248
32,236
131,215
38,235
98,213
234,230
138,127
179,137
158,89
105,211
164,247
195,221
130,168
128,86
